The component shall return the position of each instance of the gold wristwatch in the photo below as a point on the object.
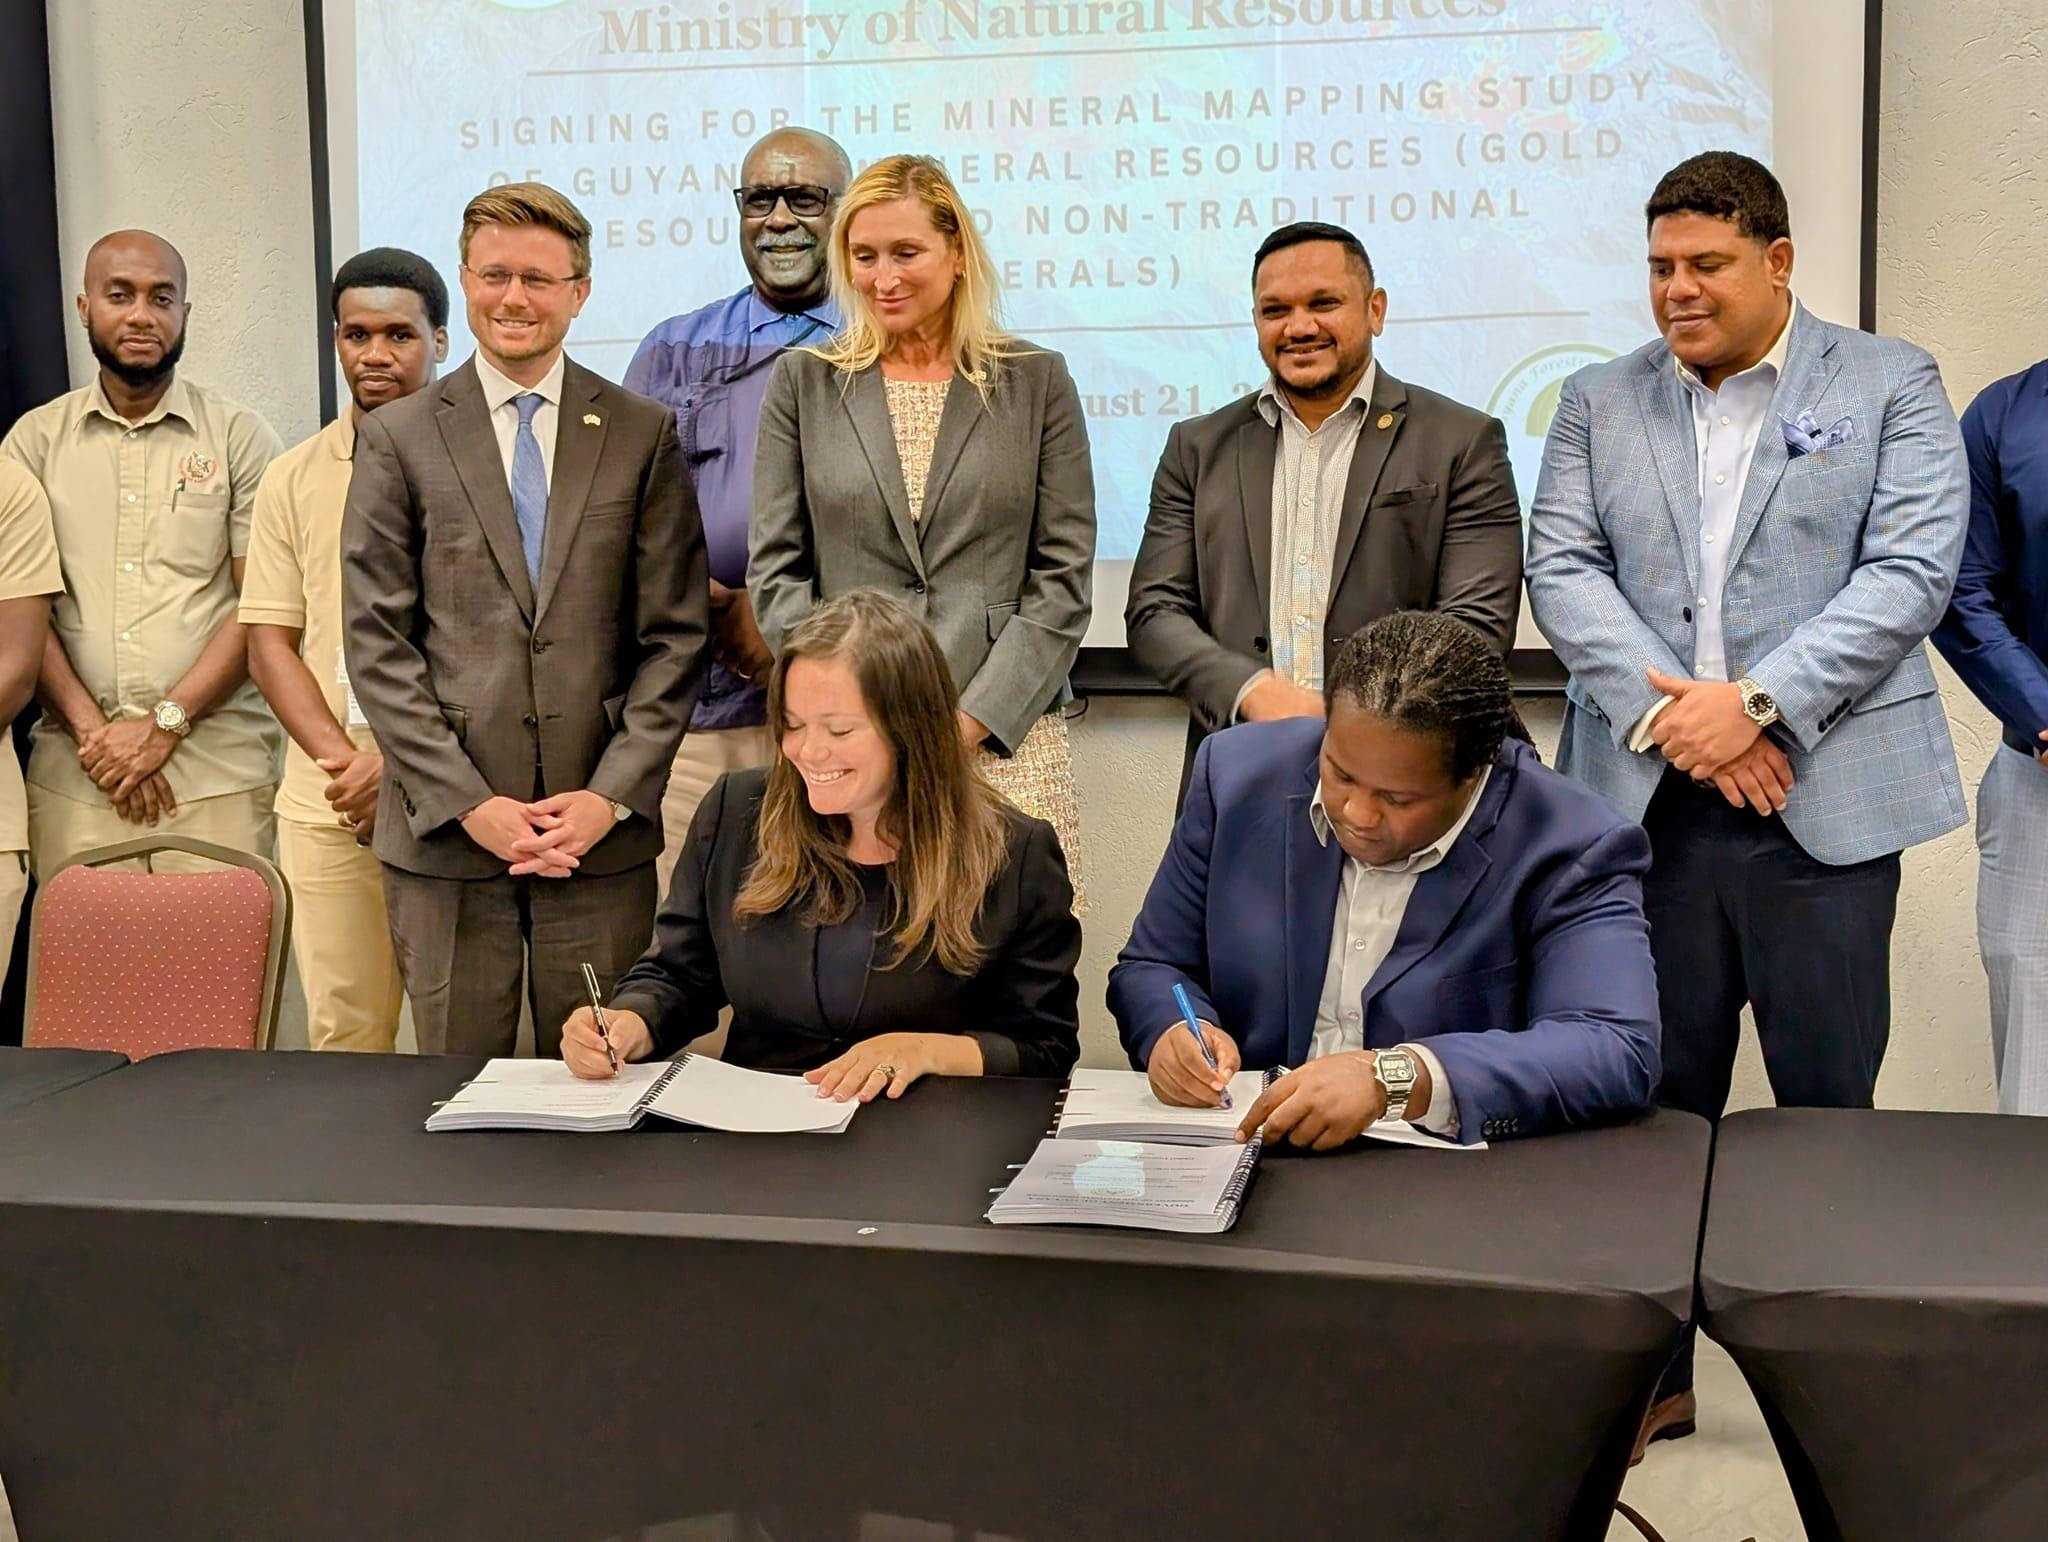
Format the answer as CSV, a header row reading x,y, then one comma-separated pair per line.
x,y
1756,701
171,718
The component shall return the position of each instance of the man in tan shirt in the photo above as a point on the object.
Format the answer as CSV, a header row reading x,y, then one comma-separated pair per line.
x,y
150,724
390,331
29,577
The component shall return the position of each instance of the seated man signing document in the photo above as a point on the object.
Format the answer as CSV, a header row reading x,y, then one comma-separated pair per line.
x,y
872,909
1404,904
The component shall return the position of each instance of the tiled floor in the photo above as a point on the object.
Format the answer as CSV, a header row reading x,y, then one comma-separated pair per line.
x,y
1721,1485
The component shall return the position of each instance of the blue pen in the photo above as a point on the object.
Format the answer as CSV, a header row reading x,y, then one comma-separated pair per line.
x,y
1187,1015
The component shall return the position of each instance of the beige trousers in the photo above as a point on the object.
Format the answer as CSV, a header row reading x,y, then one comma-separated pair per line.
x,y
341,938
13,887
60,828
704,756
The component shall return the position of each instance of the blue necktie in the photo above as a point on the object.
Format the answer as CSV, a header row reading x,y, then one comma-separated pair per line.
x,y
529,482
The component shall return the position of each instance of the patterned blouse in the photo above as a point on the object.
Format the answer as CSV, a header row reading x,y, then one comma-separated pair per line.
x,y
915,407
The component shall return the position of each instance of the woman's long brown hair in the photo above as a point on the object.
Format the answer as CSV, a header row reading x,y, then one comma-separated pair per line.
x,y
948,826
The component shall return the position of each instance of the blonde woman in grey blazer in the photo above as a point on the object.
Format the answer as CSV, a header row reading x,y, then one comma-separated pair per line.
x,y
927,454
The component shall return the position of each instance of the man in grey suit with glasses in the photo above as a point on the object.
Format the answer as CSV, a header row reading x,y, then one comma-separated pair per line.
x,y
526,604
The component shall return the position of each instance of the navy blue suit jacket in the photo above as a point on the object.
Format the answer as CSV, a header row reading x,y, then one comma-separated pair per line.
x,y
1996,631
1523,959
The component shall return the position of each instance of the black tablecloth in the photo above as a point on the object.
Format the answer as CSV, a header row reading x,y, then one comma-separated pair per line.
x,y
246,1294
29,1074
1882,1280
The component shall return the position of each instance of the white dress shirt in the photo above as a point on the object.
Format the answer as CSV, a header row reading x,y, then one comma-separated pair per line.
x,y
1371,903
1725,426
1309,474
498,394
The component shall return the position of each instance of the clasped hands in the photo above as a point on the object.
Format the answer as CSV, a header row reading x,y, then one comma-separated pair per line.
x,y
547,839
125,760
1705,733
357,779
736,640
1326,1104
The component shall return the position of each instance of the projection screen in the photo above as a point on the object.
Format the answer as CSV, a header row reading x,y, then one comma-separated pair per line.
x,y
1123,158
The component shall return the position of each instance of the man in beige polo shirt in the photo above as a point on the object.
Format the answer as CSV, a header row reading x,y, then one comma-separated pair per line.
x,y
150,724
29,577
390,331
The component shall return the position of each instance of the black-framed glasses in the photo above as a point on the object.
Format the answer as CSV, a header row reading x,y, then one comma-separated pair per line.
x,y
805,199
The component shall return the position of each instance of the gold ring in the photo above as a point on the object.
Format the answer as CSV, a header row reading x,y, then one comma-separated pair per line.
x,y
888,1072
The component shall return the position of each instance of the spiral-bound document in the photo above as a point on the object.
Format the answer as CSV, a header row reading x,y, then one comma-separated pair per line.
x,y
1150,1186
696,1090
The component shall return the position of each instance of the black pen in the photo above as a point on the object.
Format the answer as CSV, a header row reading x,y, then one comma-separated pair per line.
x,y
597,1011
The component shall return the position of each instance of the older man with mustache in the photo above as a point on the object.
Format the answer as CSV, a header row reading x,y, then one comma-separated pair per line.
x,y
711,368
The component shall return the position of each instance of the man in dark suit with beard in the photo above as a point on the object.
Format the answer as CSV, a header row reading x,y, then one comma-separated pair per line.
x,y
1330,497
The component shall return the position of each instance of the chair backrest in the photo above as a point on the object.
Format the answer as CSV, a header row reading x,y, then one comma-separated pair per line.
x,y
143,962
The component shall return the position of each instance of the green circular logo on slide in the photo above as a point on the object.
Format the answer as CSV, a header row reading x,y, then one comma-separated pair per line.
x,y
1526,399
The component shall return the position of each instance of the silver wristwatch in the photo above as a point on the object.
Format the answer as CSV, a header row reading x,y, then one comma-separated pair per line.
x,y
171,718
1397,1072
620,813
1756,701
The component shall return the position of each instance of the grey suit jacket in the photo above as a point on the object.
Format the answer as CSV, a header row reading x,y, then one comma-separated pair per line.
x,y
1430,522
1841,563
476,685
1000,565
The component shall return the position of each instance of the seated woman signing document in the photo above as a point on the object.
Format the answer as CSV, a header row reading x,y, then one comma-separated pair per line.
x,y
869,907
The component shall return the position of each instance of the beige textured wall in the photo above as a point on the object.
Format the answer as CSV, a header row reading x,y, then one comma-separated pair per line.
x,y
191,120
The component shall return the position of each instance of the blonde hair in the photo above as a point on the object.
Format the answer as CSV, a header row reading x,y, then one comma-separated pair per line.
x,y
530,203
979,343
951,830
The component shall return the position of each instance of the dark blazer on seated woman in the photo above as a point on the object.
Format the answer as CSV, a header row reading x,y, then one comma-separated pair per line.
x,y
801,995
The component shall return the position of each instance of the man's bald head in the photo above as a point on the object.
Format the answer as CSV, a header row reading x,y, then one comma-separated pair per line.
x,y
784,242
133,307
143,251
818,155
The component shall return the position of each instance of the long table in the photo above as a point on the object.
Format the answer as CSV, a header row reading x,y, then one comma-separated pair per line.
x,y
247,1295
1882,1281
29,1074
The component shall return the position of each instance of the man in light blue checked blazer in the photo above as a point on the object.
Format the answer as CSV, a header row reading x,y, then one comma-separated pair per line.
x,y
1742,536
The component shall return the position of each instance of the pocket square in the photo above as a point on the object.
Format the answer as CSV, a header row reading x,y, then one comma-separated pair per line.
x,y
1803,435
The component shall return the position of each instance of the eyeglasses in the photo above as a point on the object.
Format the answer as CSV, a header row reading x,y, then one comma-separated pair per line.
x,y
497,280
805,199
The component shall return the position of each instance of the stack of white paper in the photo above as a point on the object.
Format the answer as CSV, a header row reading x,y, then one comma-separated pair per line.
x,y
1119,1105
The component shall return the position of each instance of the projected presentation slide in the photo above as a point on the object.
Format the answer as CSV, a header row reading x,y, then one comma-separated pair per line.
x,y
1124,158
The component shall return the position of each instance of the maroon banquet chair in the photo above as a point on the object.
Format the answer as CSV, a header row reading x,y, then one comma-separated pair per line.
x,y
143,963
